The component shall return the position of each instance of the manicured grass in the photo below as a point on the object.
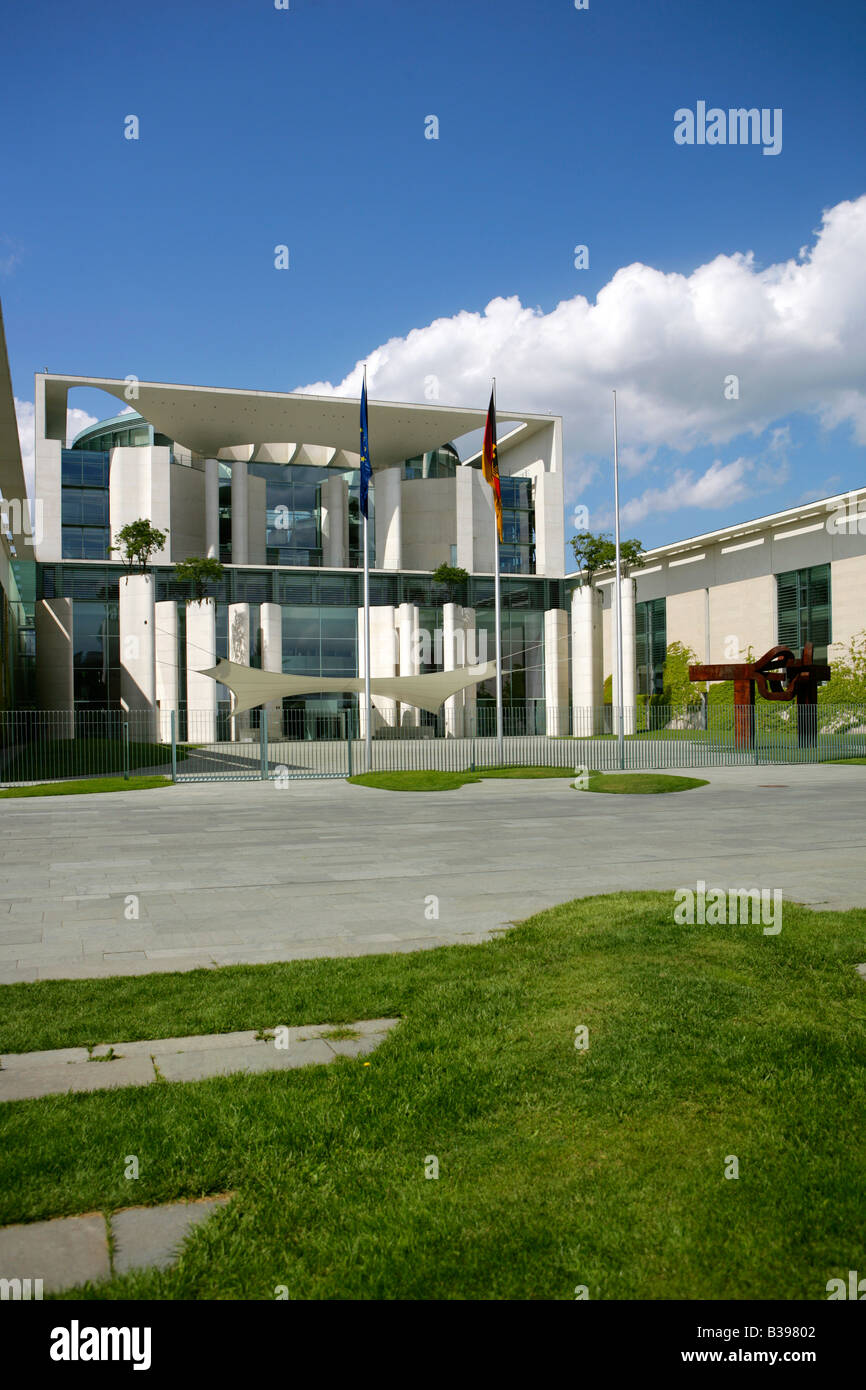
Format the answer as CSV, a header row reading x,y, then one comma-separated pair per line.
x,y
83,756
557,1166
641,783
448,781
87,785
849,762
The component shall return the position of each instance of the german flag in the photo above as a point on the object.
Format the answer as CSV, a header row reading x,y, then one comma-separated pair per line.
x,y
490,462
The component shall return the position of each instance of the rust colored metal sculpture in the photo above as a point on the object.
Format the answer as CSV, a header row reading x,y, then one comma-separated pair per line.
x,y
779,675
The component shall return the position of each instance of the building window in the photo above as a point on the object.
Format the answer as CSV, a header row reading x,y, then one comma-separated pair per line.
x,y
651,642
84,504
517,551
804,609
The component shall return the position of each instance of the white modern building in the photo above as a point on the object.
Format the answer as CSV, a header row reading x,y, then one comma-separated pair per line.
x,y
268,483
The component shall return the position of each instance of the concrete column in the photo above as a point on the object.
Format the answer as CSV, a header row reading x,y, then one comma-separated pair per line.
x,y
239,651
556,671
383,649
55,688
201,691
410,657
212,508
137,628
464,536
471,658
628,700
453,658
240,513
587,682
166,666
335,522
272,660
387,486
139,486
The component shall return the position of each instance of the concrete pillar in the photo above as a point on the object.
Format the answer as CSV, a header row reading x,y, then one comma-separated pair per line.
x,y
239,652
201,691
240,513
335,522
55,687
471,657
137,628
166,666
383,648
387,484
139,486
272,660
410,657
556,671
587,679
212,508
453,658
628,700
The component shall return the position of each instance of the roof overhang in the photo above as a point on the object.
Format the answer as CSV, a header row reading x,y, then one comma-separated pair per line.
x,y
12,484
208,419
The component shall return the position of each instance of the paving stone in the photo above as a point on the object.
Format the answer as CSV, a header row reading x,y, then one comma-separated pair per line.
x,y
151,1237
261,1057
86,1076
61,1253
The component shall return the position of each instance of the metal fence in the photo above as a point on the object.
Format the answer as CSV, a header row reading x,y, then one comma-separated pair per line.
x,y
44,746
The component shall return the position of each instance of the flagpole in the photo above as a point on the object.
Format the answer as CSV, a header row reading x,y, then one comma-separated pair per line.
x,y
367,653
497,607
618,608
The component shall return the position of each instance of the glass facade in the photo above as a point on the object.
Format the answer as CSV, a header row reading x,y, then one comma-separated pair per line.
x,y
95,654
320,629
84,504
517,551
123,431
438,463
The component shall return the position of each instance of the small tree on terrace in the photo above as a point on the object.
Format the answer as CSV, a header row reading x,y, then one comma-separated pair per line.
x,y
453,577
138,541
198,570
594,553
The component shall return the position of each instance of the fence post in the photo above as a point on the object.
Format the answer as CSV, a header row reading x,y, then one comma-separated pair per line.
x,y
174,745
126,750
263,742
347,734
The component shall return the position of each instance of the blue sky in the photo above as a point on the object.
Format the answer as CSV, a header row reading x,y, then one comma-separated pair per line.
x,y
306,127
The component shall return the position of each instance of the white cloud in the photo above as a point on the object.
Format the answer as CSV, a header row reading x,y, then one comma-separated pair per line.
x,y
792,333
76,420
719,485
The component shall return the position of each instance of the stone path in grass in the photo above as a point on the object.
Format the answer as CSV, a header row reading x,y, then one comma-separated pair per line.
x,y
26,1075
48,1256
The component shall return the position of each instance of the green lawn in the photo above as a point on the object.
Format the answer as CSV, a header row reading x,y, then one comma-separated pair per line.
x,y
87,785
83,757
558,1166
641,783
631,782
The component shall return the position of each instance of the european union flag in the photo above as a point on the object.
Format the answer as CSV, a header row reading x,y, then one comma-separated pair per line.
x,y
366,467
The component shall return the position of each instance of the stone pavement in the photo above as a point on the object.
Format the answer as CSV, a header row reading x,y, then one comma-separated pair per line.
x,y
208,874
75,1249
24,1075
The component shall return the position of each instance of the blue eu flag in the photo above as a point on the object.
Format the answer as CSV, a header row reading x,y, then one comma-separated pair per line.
x,y
366,468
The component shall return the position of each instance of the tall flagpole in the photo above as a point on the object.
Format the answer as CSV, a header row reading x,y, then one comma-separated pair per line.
x,y
367,653
497,606
618,608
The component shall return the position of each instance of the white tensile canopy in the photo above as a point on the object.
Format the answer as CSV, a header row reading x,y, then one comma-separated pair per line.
x,y
252,687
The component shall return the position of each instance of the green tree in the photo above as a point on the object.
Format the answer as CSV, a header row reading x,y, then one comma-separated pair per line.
x,y
198,571
594,553
138,541
454,578
847,683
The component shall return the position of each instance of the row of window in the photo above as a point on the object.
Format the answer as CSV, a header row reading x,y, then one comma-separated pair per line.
x,y
803,615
